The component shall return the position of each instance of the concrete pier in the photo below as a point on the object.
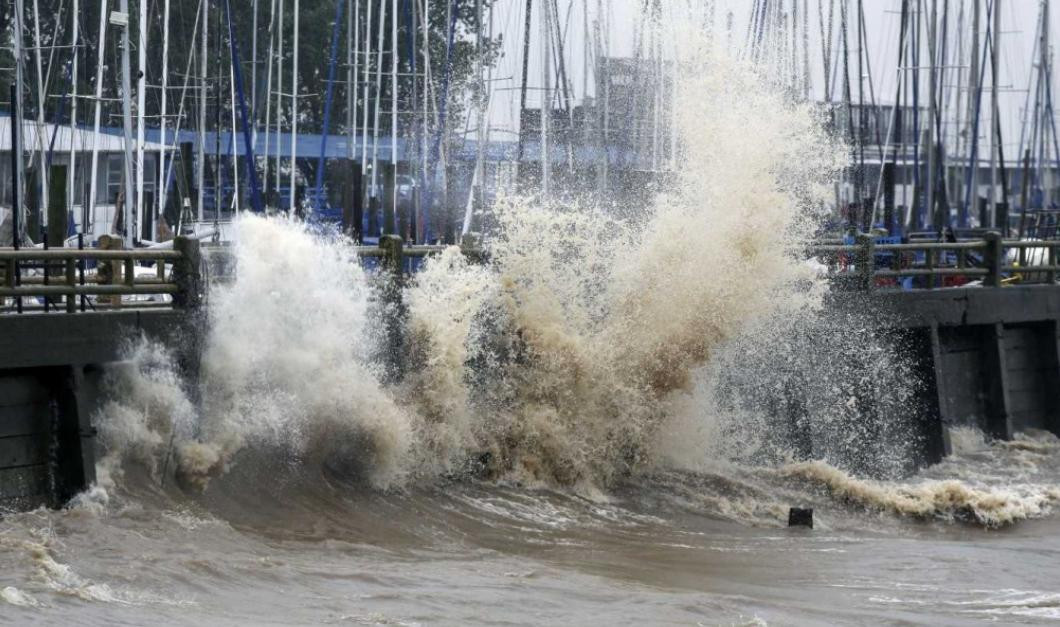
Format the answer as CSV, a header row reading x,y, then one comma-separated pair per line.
x,y
51,361
988,357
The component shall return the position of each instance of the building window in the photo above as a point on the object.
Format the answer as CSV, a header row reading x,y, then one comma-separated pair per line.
x,y
114,178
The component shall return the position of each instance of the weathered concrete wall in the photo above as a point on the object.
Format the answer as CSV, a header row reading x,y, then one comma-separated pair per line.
x,y
987,357
34,340
49,387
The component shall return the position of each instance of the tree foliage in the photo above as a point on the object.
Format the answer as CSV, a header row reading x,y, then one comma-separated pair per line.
x,y
316,20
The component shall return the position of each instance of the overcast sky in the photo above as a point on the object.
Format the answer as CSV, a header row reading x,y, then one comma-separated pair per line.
x,y
882,17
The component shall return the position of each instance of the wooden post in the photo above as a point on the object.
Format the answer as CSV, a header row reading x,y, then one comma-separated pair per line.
x,y
865,261
993,258
389,198
471,248
394,312
71,281
1050,275
57,210
186,274
357,226
130,272
109,272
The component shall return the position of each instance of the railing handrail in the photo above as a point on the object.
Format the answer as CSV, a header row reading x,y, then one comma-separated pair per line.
x,y
991,265
57,254
64,277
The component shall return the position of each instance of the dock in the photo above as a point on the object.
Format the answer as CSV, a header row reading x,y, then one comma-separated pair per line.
x,y
986,354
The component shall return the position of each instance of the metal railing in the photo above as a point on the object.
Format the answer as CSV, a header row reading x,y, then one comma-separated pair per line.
x,y
868,264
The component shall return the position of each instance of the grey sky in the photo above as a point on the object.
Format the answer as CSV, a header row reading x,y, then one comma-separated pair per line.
x,y
1019,19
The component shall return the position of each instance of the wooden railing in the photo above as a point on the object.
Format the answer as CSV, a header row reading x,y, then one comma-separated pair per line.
x,y
868,264
61,280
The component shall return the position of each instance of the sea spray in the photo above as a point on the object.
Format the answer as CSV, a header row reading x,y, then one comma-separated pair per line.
x,y
576,356
605,320
562,357
949,499
286,362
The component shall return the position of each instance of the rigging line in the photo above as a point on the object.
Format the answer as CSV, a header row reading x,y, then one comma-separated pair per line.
x,y
973,159
333,56
251,169
1030,80
872,89
895,108
183,95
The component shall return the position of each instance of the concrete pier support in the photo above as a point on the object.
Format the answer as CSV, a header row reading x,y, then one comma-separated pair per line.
x,y
46,437
987,358
995,386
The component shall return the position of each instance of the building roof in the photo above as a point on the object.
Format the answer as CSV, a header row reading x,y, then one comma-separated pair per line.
x,y
59,138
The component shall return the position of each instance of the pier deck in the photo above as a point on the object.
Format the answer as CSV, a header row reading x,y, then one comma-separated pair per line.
x,y
986,355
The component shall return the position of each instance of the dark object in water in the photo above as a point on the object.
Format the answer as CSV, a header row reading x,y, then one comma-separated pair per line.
x,y
800,517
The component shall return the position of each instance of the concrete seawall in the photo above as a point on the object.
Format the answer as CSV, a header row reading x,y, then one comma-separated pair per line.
x,y
986,357
983,357
50,371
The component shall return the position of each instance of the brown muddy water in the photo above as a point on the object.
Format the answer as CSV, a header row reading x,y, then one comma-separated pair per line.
x,y
267,548
619,371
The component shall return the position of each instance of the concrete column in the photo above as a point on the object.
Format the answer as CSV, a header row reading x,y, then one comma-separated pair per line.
x,y
1052,376
74,465
998,421
934,415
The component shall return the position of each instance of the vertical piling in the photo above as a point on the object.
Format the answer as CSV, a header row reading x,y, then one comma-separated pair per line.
x,y
57,210
109,272
187,274
995,370
390,200
394,308
865,261
993,259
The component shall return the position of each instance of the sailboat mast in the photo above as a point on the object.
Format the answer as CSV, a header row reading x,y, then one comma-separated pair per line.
x,y
995,47
1045,69
126,116
253,72
268,99
528,24
378,98
974,89
956,187
203,91
234,151
279,100
16,124
546,98
353,41
367,92
38,46
425,115
160,192
70,178
394,105
98,96
932,110
141,104
480,141
294,107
